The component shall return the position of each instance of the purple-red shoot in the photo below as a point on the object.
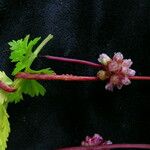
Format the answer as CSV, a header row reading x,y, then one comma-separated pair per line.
x,y
63,77
112,146
96,142
6,87
76,61
116,71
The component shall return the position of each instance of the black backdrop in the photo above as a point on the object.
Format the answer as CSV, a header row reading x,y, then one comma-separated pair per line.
x,y
69,111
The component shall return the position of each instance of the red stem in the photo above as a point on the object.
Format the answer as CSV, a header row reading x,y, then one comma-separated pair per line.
x,y
68,77
112,146
6,88
77,61
95,65
140,78
55,77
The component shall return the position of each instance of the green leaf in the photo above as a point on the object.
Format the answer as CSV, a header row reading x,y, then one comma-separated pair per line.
x,y
5,78
32,88
22,53
42,71
19,66
15,96
3,95
4,127
18,48
29,87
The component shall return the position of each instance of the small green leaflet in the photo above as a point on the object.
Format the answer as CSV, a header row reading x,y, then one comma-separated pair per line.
x,y
5,78
42,71
17,95
4,127
32,88
29,87
21,48
3,97
23,54
8,81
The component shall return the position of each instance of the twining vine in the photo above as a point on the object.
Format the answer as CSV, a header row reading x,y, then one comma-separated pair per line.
x,y
24,51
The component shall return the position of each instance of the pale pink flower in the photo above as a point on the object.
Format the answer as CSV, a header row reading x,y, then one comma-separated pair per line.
x,y
115,79
131,72
92,141
109,87
125,81
117,70
95,140
113,66
127,63
118,57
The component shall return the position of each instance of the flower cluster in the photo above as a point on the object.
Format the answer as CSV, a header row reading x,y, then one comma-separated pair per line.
x,y
116,70
95,140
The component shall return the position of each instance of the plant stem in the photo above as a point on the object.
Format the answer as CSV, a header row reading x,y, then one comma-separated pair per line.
x,y
38,49
46,40
6,87
112,146
68,77
88,63
140,78
76,61
55,77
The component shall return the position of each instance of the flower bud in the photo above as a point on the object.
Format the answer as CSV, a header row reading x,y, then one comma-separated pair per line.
x,y
102,75
104,59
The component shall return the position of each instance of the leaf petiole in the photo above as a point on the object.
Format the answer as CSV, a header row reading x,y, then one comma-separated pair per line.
x,y
36,52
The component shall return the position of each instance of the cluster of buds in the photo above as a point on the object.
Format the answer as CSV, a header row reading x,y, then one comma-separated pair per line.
x,y
95,140
116,70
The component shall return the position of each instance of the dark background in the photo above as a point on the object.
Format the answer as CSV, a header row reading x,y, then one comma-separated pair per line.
x,y
71,110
